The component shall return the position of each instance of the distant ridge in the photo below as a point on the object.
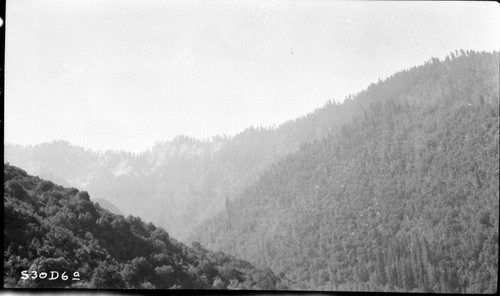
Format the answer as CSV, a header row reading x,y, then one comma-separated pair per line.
x,y
180,183
107,205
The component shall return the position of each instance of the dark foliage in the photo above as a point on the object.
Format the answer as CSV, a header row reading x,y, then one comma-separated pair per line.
x,y
51,228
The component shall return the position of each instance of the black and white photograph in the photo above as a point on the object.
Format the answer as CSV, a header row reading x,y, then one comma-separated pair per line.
x,y
251,145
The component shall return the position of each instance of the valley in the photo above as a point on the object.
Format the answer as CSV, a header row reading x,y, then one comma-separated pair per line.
x,y
395,189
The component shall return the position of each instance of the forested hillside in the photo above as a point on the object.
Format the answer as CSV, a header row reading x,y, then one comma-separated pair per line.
x,y
395,189
403,198
180,183
50,229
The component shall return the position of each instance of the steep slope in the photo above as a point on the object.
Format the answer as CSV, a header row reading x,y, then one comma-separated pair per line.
x,y
405,198
59,231
180,183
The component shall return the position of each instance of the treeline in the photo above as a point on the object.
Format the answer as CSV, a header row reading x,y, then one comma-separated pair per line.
x,y
57,230
180,183
404,198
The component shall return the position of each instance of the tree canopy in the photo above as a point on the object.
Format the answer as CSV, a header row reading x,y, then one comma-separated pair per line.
x,y
405,197
49,228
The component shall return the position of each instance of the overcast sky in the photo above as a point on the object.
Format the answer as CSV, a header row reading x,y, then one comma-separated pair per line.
x,y
122,74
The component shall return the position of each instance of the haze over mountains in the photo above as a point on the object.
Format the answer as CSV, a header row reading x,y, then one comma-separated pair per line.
x,y
59,232
181,182
395,189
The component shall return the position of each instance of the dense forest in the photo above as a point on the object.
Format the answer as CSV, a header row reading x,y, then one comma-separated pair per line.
x,y
59,231
404,198
181,182
395,189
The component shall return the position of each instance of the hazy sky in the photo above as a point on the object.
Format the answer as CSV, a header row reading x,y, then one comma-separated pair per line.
x,y
121,74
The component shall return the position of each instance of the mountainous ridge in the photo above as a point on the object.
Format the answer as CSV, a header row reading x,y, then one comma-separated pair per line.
x,y
415,170
183,174
182,182
107,205
395,189
52,229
